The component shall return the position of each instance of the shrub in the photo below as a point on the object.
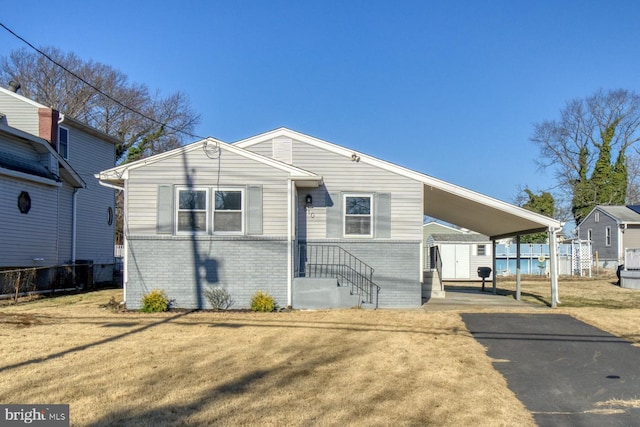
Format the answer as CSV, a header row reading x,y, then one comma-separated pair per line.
x,y
261,301
155,301
219,298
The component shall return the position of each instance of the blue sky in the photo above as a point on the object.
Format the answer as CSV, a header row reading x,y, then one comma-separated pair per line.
x,y
451,89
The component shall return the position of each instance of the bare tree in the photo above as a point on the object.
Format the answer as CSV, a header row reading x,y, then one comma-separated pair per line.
x,y
163,122
587,148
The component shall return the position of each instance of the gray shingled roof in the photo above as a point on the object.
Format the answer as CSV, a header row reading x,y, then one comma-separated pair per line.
x,y
621,213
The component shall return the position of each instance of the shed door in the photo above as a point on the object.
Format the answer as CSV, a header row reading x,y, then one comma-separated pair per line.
x,y
455,262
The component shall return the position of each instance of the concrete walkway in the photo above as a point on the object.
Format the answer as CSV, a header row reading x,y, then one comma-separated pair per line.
x,y
471,297
567,373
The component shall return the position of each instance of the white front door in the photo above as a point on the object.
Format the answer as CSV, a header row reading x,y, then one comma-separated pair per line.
x,y
455,262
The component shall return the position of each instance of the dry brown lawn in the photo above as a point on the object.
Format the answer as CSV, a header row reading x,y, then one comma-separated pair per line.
x,y
340,367
334,367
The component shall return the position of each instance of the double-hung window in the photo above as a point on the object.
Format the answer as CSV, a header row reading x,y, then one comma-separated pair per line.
x,y
63,142
358,215
192,210
607,236
228,213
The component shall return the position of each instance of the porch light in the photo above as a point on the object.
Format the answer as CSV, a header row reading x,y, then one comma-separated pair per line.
x,y
308,200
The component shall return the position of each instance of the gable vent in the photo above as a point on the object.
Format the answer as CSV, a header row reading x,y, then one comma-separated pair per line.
x,y
282,149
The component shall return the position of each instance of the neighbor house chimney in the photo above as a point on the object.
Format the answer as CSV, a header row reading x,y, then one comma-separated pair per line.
x,y
48,125
14,86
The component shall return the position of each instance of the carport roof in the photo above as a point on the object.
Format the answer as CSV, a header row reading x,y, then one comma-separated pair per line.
x,y
442,200
477,212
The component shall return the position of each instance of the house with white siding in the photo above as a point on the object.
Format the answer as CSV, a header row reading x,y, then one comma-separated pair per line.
x,y
611,230
312,223
81,217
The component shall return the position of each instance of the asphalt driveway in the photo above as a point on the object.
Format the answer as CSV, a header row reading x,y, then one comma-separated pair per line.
x,y
563,370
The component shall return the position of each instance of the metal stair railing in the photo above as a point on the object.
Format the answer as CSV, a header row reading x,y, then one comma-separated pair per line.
x,y
335,262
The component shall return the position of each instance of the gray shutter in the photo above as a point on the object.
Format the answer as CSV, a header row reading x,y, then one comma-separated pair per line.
x,y
164,214
383,215
334,215
254,209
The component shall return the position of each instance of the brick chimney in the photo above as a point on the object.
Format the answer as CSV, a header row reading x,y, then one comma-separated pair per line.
x,y
48,125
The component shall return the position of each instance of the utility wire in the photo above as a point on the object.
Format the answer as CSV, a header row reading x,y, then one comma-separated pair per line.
x,y
96,89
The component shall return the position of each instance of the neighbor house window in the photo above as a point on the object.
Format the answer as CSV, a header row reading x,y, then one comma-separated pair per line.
x,y
358,215
589,234
482,250
227,211
63,142
607,236
192,210
596,217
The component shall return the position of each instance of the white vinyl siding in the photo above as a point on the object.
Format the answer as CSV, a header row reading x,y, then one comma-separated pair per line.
x,y
195,168
31,236
95,237
20,114
341,174
64,223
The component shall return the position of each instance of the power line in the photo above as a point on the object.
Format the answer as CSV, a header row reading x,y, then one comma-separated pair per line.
x,y
133,110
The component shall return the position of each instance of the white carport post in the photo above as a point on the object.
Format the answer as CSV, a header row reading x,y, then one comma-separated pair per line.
x,y
553,265
518,281
494,280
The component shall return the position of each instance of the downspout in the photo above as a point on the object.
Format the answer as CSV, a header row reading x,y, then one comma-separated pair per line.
x,y
74,203
289,243
125,246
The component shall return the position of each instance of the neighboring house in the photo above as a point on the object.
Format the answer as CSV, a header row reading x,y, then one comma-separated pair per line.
x,y
291,215
611,229
89,222
462,254
36,202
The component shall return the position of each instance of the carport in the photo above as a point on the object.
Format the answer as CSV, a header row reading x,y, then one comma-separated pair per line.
x,y
491,217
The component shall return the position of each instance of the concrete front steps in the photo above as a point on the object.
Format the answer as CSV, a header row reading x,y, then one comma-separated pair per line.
x,y
321,293
431,287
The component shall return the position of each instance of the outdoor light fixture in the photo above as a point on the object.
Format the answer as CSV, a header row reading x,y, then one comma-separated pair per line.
x,y
308,200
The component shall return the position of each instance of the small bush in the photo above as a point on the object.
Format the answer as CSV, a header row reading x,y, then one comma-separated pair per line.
x,y
155,302
219,298
261,301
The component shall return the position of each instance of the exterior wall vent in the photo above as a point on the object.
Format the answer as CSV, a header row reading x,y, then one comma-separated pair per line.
x,y
282,149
